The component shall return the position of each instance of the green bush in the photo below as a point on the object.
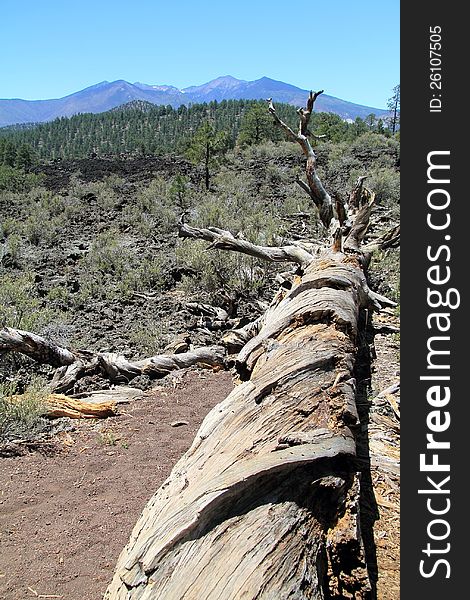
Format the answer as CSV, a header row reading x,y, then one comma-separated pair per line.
x,y
218,269
11,251
8,226
154,209
150,337
20,306
385,183
16,180
20,415
112,268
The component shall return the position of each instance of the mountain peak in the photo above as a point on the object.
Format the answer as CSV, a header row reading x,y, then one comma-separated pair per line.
x,y
106,95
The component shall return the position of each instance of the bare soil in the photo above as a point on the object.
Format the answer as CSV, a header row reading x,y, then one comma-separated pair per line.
x,y
64,518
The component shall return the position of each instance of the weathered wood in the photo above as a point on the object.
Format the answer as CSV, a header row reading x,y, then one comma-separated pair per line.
x,y
119,368
264,503
224,240
74,365
215,312
34,346
314,186
59,405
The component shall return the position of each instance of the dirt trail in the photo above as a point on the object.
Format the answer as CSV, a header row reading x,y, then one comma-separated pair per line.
x,y
65,518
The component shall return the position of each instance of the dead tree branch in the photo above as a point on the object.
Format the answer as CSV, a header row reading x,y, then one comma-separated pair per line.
x,y
224,240
36,347
314,186
74,365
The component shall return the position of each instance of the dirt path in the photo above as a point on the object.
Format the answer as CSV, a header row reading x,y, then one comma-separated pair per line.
x,y
65,518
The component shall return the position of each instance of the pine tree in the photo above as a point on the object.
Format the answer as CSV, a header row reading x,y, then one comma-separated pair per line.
x,y
207,146
9,154
256,126
393,106
24,157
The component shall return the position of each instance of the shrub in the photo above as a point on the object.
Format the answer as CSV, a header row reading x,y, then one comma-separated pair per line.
x,y
150,337
45,216
11,251
218,270
20,306
20,415
8,226
385,183
113,269
16,180
153,210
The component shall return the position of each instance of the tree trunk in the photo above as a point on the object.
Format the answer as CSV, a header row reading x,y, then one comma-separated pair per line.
x,y
206,166
265,502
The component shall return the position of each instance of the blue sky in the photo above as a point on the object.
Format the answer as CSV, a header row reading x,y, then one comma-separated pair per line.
x,y
52,48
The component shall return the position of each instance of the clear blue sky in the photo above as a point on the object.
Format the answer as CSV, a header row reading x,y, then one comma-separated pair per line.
x,y
51,48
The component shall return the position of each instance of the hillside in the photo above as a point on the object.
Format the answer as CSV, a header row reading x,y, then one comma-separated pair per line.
x,y
107,95
141,127
96,233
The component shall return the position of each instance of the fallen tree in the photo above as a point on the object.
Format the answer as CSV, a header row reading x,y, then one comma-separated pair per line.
x,y
265,503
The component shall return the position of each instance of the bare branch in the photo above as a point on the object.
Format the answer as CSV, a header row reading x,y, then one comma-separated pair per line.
x,y
390,239
356,193
224,240
118,368
361,222
294,137
36,347
317,192
72,366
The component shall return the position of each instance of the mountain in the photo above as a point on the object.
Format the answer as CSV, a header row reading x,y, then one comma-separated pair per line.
x,y
105,96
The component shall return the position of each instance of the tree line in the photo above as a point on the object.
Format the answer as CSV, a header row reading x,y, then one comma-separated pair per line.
x,y
143,128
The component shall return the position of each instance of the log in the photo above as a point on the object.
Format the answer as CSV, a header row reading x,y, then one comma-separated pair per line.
x,y
74,365
119,368
265,503
265,500
58,405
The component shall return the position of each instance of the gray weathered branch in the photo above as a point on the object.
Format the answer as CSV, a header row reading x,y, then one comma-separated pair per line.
x,y
224,240
74,365
36,347
315,189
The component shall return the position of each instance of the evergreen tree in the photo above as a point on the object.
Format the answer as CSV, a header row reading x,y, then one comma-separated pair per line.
x,y
178,191
207,147
256,126
9,154
393,106
24,157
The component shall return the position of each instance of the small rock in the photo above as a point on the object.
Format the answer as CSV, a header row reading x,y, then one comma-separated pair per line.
x,y
179,423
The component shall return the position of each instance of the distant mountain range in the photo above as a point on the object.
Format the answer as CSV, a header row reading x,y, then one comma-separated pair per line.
x,y
105,96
